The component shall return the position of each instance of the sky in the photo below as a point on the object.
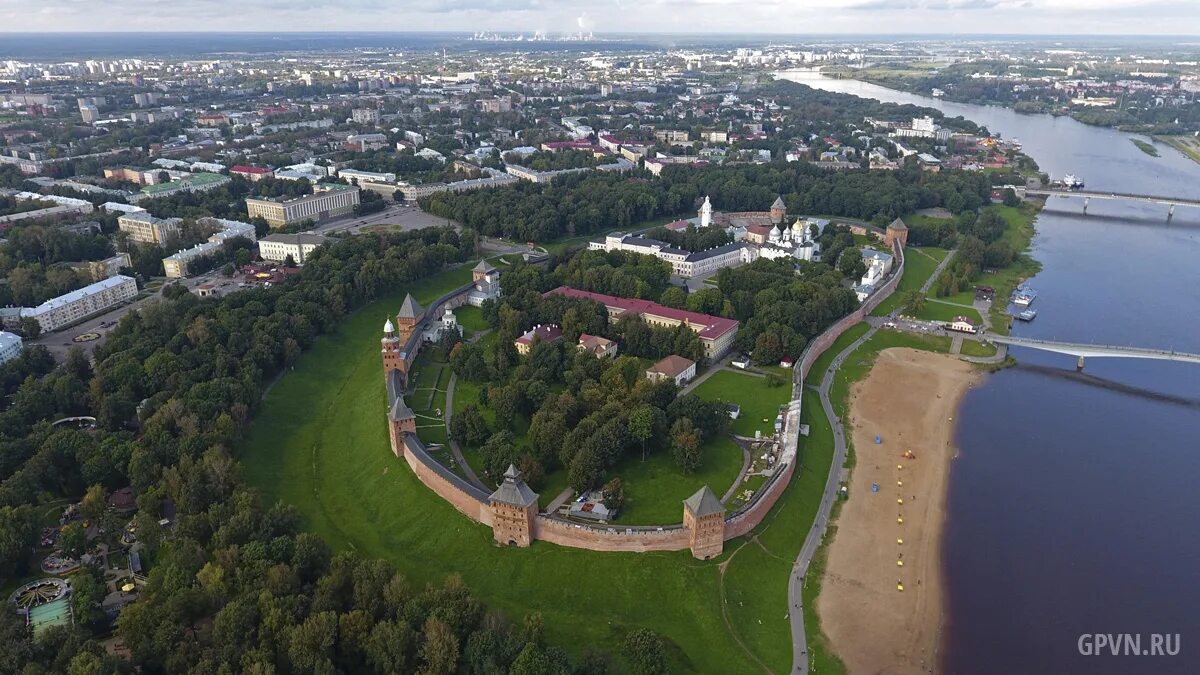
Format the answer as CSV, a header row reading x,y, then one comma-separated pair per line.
x,y
807,17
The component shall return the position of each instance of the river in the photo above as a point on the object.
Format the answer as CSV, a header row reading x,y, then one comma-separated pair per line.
x,y
1074,505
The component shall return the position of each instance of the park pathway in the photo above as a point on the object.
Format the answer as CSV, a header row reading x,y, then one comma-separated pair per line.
x,y
455,450
821,523
937,271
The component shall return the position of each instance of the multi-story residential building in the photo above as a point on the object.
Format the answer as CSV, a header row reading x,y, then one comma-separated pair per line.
x,y
78,305
278,247
176,265
369,176
368,116
146,229
98,270
495,105
10,346
671,136
365,142
328,200
716,333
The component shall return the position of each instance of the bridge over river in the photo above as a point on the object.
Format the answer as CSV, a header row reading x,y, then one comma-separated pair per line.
x,y
1089,195
1084,350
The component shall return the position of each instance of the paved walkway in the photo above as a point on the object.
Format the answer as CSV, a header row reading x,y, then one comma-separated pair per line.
x,y
937,271
817,533
454,448
746,461
558,501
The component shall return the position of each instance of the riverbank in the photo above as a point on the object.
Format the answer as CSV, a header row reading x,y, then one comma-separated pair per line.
x,y
908,399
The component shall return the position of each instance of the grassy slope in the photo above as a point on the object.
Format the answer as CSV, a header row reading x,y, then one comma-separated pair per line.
x,y
919,264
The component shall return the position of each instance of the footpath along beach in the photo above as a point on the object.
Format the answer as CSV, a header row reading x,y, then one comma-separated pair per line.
x,y
908,399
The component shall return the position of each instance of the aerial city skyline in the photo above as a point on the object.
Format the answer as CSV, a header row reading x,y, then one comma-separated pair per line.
x,y
580,338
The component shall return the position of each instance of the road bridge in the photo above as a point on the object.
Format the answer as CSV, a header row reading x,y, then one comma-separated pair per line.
x,y
1088,195
1084,351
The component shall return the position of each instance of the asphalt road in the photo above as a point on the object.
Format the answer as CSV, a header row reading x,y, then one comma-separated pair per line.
x,y
821,523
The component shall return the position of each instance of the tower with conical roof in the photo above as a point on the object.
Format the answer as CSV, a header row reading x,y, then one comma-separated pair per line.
x,y
704,519
778,211
408,317
482,271
896,231
514,507
391,348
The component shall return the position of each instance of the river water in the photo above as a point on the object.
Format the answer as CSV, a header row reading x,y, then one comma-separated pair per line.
x,y
1074,507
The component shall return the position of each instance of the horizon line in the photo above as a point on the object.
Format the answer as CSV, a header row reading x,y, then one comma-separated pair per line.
x,y
594,33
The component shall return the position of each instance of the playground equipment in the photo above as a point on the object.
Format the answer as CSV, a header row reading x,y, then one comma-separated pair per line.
x,y
37,593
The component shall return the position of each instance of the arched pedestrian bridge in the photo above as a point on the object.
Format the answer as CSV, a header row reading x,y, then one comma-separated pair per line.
x,y
1084,351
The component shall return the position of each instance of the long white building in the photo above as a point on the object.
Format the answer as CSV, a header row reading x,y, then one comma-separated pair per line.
x,y
80,304
176,265
278,247
685,264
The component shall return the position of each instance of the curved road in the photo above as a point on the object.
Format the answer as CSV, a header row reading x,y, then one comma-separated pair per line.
x,y
821,523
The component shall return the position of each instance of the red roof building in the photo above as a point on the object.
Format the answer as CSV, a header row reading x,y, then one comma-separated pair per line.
x,y
716,333
254,173
539,333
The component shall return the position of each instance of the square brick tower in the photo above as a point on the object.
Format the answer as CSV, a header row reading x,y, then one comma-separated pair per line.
x,y
401,420
896,230
704,518
514,506
408,317
778,211
482,271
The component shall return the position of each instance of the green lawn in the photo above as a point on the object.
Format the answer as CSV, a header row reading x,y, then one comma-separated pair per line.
x,y
655,489
973,348
944,311
756,569
760,403
826,358
471,319
919,264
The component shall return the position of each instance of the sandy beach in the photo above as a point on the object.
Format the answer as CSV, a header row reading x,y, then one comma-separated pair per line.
x,y
908,399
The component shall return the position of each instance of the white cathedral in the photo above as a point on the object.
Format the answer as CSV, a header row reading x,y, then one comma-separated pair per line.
x,y
791,242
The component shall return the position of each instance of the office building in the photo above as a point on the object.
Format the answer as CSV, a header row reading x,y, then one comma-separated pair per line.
x,y
328,200
146,229
277,247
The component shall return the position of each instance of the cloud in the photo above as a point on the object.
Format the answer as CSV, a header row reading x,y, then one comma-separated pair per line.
x,y
692,16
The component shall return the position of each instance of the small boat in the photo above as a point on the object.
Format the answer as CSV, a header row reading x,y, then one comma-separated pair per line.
x,y
1024,296
1027,315
1071,182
